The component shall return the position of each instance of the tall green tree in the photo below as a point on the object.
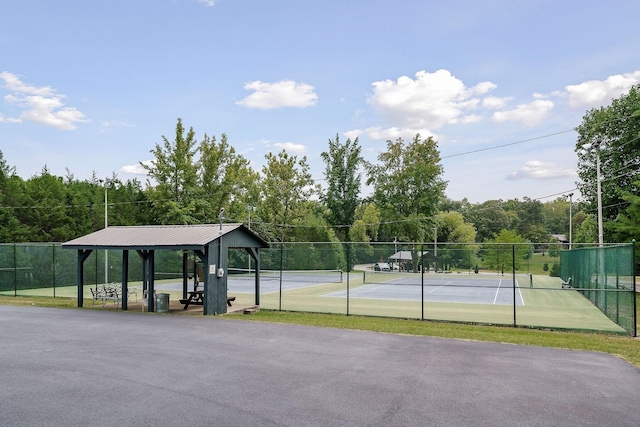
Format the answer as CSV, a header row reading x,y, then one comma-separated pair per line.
x,y
343,183
286,187
226,180
627,224
175,173
618,127
408,187
47,217
459,252
12,205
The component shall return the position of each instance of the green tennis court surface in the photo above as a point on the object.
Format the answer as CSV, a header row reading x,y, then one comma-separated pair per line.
x,y
438,288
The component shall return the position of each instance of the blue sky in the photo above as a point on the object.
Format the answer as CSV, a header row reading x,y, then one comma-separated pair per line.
x,y
91,86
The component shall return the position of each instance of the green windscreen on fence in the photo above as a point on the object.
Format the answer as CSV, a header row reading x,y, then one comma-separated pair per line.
x,y
606,277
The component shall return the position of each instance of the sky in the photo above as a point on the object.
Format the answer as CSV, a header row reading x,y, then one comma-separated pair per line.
x,y
90,87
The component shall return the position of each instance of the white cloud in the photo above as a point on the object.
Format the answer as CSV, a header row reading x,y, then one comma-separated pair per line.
x,y
137,168
291,147
595,93
538,170
8,119
424,104
391,133
208,3
13,83
285,93
108,124
471,118
530,114
40,104
495,103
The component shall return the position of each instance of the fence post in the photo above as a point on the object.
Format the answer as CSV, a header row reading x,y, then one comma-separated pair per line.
x,y
53,267
280,292
422,279
633,287
348,270
15,272
513,269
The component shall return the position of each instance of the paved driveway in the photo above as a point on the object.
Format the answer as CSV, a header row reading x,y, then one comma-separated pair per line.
x,y
98,368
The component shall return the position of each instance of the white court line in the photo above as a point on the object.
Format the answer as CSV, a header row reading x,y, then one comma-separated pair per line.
x,y
497,290
433,290
518,286
364,289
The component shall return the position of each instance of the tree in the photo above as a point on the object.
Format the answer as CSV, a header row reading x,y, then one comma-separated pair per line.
x,y
587,231
531,220
343,183
286,187
627,224
408,187
175,173
489,218
225,180
458,234
556,216
618,127
498,253
47,217
12,193
366,224
364,229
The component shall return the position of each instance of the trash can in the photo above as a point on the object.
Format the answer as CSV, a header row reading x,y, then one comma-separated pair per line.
x,y
162,303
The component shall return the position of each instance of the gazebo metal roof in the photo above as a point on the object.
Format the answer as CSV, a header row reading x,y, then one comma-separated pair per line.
x,y
155,237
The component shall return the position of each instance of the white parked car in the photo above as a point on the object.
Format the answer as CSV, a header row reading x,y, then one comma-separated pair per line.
x,y
382,266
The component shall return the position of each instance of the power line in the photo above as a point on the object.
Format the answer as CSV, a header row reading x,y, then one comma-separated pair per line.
x,y
495,147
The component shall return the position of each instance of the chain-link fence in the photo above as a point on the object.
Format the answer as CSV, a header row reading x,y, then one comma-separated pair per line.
x,y
605,277
532,285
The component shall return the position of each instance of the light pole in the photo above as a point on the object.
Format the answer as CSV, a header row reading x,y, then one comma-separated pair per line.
x,y
588,147
570,219
249,209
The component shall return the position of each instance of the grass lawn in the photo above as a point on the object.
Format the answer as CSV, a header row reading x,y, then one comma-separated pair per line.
x,y
625,347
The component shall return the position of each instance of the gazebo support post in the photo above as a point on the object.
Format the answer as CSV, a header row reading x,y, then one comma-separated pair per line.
x,y
82,257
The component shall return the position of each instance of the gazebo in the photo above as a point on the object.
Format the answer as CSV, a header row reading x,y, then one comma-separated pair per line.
x,y
210,243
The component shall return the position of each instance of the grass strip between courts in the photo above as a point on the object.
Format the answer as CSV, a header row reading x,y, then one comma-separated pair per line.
x,y
625,347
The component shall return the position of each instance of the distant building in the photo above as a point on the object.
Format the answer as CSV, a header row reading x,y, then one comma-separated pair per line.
x,y
561,238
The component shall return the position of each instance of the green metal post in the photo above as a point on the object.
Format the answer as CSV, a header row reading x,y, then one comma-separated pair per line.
x,y
513,268
348,270
633,289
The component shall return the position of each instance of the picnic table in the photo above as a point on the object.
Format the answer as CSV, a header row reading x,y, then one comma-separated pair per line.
x,y
197,298
194,297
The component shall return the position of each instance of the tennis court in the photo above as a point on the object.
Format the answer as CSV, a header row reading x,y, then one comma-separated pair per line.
x,y
494,290
273,281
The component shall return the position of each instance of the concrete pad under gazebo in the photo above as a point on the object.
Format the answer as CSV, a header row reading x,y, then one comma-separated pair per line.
x,y
209,242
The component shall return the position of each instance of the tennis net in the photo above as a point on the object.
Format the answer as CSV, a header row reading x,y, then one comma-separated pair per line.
x,y
313,276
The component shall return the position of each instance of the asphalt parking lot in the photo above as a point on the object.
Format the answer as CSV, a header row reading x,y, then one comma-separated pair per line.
x,y
74,367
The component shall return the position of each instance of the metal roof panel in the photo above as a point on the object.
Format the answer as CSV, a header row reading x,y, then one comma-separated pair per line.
x,y
153,236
